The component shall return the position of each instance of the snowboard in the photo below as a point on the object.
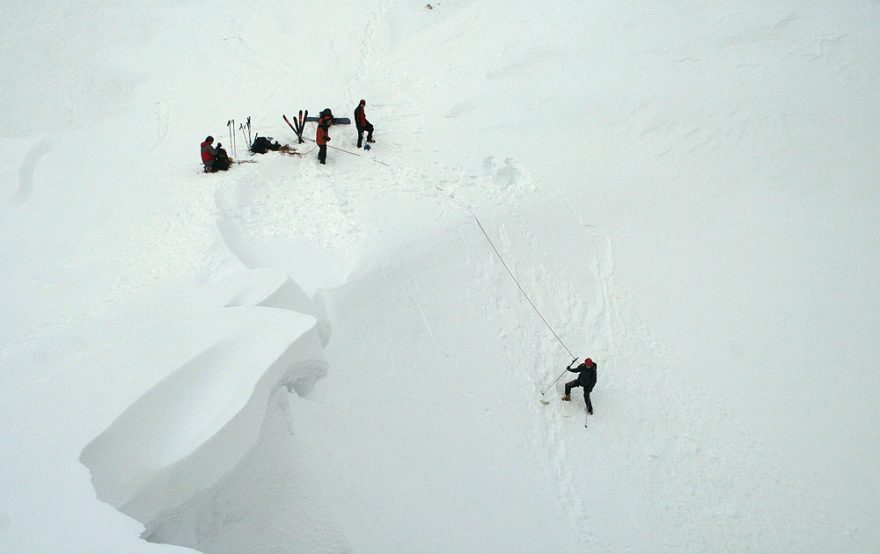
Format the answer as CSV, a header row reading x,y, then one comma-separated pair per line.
x,y
336,120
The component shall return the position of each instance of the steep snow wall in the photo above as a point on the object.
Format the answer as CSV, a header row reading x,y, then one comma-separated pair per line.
x,y
181,456
200,421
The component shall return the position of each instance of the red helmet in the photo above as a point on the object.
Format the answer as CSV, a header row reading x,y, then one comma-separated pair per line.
x,y
589,361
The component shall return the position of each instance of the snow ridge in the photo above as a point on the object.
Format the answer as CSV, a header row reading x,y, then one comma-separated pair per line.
x,y
184,444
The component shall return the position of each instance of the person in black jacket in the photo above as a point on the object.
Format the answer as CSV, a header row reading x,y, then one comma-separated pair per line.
x,y
586,379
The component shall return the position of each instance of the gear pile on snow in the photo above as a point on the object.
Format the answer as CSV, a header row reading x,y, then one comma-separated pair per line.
x,y
262,145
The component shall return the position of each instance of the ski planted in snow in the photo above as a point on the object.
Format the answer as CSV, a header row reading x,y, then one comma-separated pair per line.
x,y
297,125
297,122
297,130
289,124
302,125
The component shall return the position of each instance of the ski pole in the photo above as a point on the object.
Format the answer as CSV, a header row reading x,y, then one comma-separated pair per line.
x,y
558,378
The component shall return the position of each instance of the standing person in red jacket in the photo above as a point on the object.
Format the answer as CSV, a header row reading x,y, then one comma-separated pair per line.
x,y
360,121
322,136
209,153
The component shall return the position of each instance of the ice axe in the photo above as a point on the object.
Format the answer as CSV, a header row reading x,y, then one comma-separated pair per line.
x,y
543,392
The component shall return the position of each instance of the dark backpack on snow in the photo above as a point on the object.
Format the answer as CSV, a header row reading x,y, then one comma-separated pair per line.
x,y
262,145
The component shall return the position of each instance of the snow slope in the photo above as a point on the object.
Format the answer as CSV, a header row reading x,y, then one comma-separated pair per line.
x,y
291,357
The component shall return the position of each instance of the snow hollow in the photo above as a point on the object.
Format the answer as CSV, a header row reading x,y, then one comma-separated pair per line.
x,y
350,357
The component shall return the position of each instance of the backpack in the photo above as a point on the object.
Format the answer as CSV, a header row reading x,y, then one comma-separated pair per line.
x,y
222,162
262,145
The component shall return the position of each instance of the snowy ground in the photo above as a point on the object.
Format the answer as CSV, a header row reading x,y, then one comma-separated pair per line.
x,y
299,358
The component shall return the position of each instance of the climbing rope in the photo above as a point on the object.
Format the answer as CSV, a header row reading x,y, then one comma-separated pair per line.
x,y
504,263
350,152
494,248
519,286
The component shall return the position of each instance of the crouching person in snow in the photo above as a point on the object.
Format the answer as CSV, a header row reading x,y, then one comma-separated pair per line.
x,y
586,379
214,159
209,153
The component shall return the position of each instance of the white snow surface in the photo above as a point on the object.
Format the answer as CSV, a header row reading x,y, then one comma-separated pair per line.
x,y
290,357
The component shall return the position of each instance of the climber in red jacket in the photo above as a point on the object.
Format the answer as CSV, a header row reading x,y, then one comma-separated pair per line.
x,y
360,121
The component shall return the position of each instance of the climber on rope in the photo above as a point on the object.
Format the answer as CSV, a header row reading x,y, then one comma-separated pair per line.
x,y
586,378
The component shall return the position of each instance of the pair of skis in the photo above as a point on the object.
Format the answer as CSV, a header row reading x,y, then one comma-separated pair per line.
x,y
298,124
